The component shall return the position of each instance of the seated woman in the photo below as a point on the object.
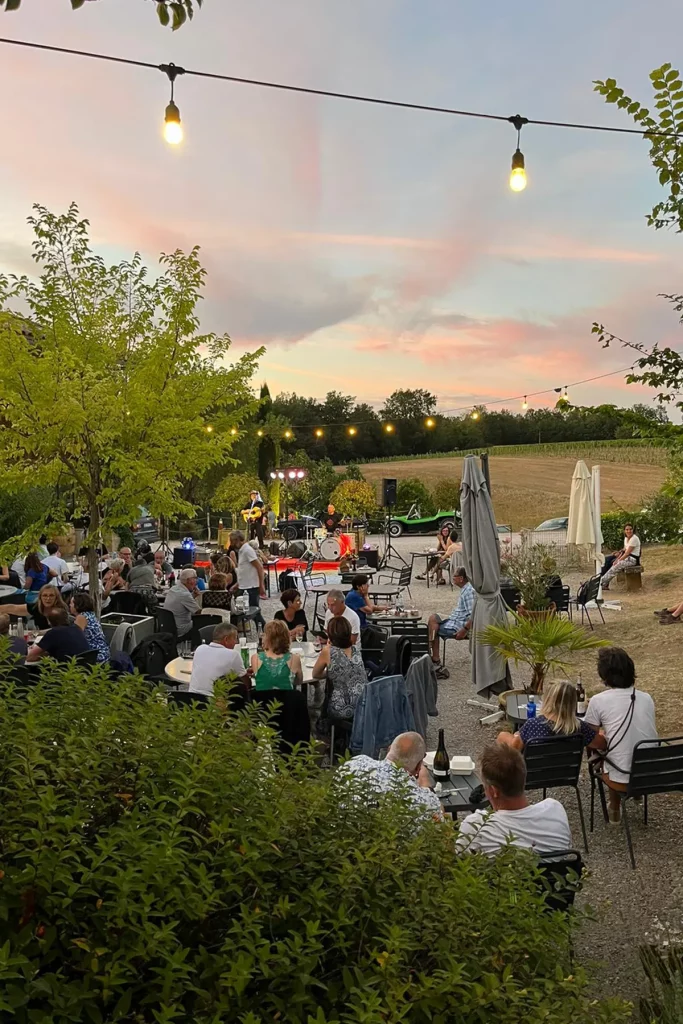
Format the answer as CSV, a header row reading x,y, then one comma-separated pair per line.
x,y
8,577
625,716
292,614
343,665
84,611
441,544
113,579
275,667
217,596
37,577
558,719
49,598
453,547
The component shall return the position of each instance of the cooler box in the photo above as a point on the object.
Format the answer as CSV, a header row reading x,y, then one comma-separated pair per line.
x,y
143,626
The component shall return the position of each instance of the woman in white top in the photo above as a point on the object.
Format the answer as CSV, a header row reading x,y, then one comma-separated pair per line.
x,y
628,556
625,716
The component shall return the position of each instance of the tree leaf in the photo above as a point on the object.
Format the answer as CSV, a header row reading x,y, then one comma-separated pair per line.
x,y
12,5
179,15
163,15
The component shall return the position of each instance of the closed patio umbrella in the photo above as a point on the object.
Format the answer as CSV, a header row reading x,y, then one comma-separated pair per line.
x,y
481,551
581,526
597,518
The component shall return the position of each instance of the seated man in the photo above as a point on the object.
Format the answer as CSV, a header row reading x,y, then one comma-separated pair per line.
x,y
183,601
54,560
217,659
628,556
337,606
459,623
542,827
17,644
404,763
61,641
357,599
625,716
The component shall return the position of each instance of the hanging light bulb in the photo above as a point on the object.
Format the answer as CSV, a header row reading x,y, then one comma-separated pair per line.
x,y
389,428
352,431
518,172
233,431
430,423
319,433
525,404
565,393
475,414
288,434
259,433
173,129
209,429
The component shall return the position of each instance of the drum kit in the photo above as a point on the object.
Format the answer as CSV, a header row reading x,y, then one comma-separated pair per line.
x,y
326,547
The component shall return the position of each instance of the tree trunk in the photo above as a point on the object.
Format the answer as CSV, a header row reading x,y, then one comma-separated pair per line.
x,y
93,559
537,679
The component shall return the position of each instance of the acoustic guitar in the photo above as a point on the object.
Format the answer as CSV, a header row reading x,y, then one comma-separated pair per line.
x,y
252,514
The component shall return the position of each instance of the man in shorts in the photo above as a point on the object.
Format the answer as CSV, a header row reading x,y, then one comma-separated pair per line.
x,y
457,626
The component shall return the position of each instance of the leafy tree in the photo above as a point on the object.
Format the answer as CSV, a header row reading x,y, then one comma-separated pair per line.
x,y
20,510
232,494
652,413
106,390
412,491
446,495
354,498
409,404
267,451
170,12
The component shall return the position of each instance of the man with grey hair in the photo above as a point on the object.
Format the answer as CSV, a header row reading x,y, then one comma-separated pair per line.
x,y
336,607
217,659
249,573
402,770
183,601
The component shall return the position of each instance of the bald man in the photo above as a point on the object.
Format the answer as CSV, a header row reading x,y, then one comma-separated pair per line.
x,y
402,770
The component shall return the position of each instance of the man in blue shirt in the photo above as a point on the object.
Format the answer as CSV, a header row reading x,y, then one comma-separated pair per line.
x,y
458,625
357,600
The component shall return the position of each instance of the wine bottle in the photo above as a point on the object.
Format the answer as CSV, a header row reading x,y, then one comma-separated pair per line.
x,y
442,762
581,703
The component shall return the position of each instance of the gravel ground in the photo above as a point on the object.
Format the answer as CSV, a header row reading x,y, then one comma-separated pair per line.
x,y
627,903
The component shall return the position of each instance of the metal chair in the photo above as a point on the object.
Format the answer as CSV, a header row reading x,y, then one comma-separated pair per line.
x,y
199,624
398,578
561,873
206,634
416,632
560,596
165,622
125,602
511,596
555,763
185,698
656,767
86,658
587,592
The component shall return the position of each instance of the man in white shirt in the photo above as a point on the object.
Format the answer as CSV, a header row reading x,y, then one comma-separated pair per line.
x,y
183,601
249,573
17,566
542,827
217,659
625,716
54,560
336,606
629,555
402,770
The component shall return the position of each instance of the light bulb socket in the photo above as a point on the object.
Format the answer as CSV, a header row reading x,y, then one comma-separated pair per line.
x,y
172,114
518,160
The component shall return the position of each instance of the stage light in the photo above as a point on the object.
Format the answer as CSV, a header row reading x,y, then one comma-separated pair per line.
x,y
430,423
292,474
259,433
352,431
281,475
300,474
273,476
288,434
525,404
518,172
389,427
173,129
319,433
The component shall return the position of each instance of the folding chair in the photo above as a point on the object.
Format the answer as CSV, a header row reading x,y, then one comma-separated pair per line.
x,y
561,873
561,597
398,579
555,763
587,592
416,632
656,767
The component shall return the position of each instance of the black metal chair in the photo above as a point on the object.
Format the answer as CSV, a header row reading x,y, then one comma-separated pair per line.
x,y
165,622
399,579
512,597
656,767
561,598
199,623
587,592
206,634
555,763
185,698
86,658
125,602
416,632
561,873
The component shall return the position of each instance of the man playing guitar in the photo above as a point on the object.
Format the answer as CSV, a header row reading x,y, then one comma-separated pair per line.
x,y
253,515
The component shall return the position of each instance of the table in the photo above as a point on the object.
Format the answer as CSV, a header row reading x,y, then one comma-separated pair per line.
x,y
6,591
180,669
515,707
392,617
456,791
426,555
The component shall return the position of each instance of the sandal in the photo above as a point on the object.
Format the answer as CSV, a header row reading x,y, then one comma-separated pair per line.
x,y
424,578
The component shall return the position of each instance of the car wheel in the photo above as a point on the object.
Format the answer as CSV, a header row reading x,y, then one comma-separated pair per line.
x,y
395,528
446,522
289,533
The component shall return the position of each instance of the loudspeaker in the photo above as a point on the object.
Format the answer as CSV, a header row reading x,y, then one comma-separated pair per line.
x,y
388,493
297,549
182,557
371,559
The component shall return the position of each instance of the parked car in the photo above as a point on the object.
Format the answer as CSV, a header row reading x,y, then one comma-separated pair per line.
x,y
146,527
553,524
298,529
414,523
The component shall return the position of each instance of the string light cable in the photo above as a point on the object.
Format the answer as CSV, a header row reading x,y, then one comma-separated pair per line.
x,y
173,129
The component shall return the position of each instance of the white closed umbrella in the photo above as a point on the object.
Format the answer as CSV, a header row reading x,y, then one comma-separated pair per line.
x,y
581,526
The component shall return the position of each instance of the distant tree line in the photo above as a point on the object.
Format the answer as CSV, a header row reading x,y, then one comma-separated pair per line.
x,y
407,413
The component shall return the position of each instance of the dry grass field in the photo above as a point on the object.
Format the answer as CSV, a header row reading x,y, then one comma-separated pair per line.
x,y
527,490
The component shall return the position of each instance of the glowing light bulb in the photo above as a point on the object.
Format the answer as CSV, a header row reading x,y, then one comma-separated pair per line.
x,y
518,172
565,393
209,429
525,404
319,432
281,475
352,431
430,423
259,433
288,434
233,431
173,129
475,415
273,476
292,474
300,474
389,427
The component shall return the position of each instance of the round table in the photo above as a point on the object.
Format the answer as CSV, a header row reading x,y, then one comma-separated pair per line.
x,y
179,670
8,591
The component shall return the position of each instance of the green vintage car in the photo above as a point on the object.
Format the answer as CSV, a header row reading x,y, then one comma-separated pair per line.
x,y
414,523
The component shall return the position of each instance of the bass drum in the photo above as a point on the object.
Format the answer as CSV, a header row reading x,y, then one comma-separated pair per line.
x,y
297,549
330,549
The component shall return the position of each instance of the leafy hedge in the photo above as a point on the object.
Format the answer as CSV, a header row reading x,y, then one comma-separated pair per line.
x,y
166,865
660,521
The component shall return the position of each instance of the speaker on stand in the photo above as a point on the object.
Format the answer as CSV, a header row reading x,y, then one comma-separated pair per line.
x,y
389,487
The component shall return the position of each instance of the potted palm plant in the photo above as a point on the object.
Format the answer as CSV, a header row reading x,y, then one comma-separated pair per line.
x,y
530,570
543,641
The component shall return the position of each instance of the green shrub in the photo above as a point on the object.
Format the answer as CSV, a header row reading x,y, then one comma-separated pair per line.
x,y
354,498
446,494
660,521
411,490
162,864
613,528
